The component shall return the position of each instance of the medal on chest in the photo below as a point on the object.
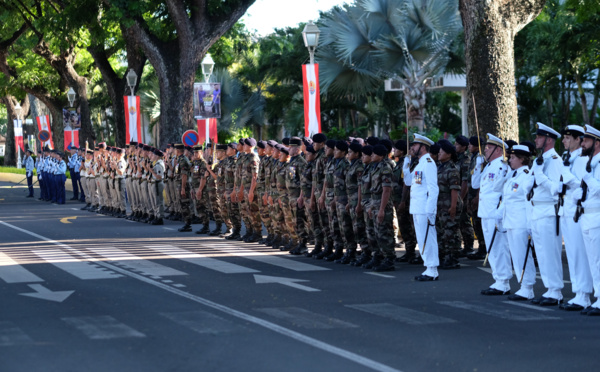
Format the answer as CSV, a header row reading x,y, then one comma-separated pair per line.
x,y
418,177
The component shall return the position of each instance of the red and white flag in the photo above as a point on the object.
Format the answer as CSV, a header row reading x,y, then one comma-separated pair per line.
x,y
312,101
43,123
211,130
19,134
133,119
71,141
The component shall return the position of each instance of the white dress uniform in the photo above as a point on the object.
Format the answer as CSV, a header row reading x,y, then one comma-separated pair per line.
x,y
590,220
423,207
490,182
579,270
514,210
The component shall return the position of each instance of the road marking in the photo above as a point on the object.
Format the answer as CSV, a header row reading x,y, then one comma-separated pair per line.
x,y
533,307
202,322
135,263
12,335
166,228
74,266
66,219
516,315
12,272
305,319
201,260
264,257
310,341
44,293
102,327
401,314
290,282
75,209
379,274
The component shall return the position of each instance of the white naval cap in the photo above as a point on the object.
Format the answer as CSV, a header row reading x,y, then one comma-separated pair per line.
x,y
544,130
491,139
573,130
422,139
591,132
520,150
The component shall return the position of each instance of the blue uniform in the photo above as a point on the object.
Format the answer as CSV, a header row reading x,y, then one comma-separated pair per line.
x,y
60,177
29,165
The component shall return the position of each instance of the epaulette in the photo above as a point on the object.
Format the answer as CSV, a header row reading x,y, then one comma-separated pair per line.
x,y
554,157
429,160
526,171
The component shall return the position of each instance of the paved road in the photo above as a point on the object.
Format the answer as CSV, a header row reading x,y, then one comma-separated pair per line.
x,y
95,293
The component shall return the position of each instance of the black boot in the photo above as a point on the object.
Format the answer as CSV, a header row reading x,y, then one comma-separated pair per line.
x,y
204,230
185,228
374,262
347,257
289,246
87,206
325,252
315,251
234,236
265,239
277,242
299,249
362,259
337,254
158,221
216,231
254,238
150,219
449,263
407,257
386,265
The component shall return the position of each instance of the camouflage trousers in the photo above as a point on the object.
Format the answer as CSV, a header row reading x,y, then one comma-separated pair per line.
x,y
466,227
384,231
233,213
265,215
334,225
448,233
358,222
321,223
345,223
215,205
184,204
278,222
224,212
312,219
199,205
252,213
477,229
407,228
369,227
289,225
298,218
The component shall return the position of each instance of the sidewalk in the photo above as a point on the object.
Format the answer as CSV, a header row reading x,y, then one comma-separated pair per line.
x,y
16,178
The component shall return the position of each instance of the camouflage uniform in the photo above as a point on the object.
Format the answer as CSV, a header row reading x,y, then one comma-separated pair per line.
x,y
271,190
466,227
264,173
221,187
334,226
213,196
252,210
448,229
295,168
312,217
321,226
365,189
405,221
199,172
471,194
341,168
239,181
283,213
233,209
381,176
183,167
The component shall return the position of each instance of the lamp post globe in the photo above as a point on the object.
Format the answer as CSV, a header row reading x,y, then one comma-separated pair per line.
x,y
207,67
310,34
71,96
131,80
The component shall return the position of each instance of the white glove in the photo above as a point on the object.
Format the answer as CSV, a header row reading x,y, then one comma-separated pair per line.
x,y
559,187
577,195
479,161
431,218
406,162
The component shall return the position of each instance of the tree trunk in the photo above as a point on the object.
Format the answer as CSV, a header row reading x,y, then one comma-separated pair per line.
x,y
10,153
490,27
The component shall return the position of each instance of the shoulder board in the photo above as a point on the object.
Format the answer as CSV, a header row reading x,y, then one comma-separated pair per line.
x,y
429,160
554,157
526,171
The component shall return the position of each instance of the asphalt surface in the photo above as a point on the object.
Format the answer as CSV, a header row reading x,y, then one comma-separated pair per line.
x,y
148,298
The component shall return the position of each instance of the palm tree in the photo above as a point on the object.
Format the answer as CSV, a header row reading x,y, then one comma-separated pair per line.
x,y
407,40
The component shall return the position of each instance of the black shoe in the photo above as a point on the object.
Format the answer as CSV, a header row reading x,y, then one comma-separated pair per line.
x,y
185,228
586,310
346,258
203,231
479,255
386,265
417,260
407,257
324,253
216,231
289,245
450,263
570,307
465,252
299,249
87,206
158,221
516,297
337,254
362,259
594,311
254,238
315,251
494,292
425,278
550,302
374,262
234,236
277,242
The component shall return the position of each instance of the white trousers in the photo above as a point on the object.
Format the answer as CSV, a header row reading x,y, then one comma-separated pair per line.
x,y
579,267
548,249
499,255
517,244
591,239
429,252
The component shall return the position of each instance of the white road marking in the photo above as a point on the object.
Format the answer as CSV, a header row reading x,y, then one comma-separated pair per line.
x,y
11,335
12,272
528,306
202,322
379,274
516,315
325,346
401,314
102,327
166,228
264,258
133,262
75,209
305,319
201,260
290,282
44,293
74,266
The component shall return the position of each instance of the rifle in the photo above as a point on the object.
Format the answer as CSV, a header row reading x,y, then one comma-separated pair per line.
x,y
584,187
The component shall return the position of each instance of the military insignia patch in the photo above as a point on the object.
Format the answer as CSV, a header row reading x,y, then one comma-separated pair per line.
x,y
514,187
526,171
429,160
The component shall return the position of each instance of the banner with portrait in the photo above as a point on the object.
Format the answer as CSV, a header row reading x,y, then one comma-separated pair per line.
x,y
133,119
207,100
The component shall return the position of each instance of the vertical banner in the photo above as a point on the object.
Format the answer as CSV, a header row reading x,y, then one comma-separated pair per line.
x,y
312,101
43,123
133,119
19,134
69,140
211,130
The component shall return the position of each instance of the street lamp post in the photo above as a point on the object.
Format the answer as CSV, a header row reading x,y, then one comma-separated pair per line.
x,y
18,110
207,69
71,95
311,39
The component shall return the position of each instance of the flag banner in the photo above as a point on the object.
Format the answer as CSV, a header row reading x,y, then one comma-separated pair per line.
x,y
19,134
312,101
43,123
211,130
207,100
70,141
133,119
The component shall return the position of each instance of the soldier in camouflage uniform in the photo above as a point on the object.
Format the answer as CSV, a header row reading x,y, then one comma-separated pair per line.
x,y
341,165
230,196
263,205
250,194
213,195
295,168
364,201
327,201
239,188
312,216
279,199
448,207
182,174
380,210
473,200
321,224
352,181
221,187
273,154
463,162
198,188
